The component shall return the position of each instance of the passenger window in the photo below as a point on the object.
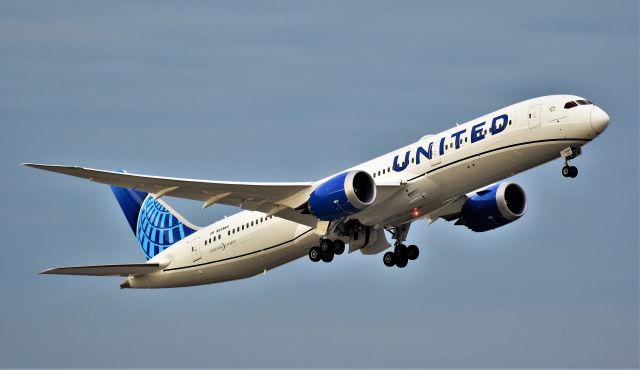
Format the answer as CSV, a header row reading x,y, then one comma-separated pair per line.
x,y
412,160
570,105
205,242
383,171
251,223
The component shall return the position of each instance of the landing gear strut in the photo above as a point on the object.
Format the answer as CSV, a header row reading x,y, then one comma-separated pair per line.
x,y
326,250
401,254
569,153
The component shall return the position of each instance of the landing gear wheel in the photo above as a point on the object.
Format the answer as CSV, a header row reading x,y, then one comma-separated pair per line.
x,y
338,247
400,250
566,171
326,246
573,171
401,261
327,257
314,254
389,259
413,252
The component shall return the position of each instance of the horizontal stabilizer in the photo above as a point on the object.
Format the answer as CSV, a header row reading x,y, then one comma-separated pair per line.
x,y
106,270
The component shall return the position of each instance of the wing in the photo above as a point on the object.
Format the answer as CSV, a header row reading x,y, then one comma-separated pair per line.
x,y
287,200
106,270
270,198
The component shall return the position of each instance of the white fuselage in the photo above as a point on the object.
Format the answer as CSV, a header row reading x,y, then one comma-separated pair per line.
x,y
249,243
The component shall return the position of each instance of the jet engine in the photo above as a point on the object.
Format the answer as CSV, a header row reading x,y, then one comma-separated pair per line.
x,y
493,207
343,195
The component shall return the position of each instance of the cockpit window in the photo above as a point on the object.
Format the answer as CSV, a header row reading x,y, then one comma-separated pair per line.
x,y
584,102
570,105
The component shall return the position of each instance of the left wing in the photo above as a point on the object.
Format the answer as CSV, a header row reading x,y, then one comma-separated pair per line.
x,y
270,198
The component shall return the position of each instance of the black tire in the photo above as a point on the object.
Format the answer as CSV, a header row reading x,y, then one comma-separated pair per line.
x,y
315,254
400,249
573,171
326,247
327,257
389,259
401,261
413,252
338,247
566,171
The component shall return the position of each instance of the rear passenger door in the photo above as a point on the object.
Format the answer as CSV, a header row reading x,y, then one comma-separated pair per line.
x,y
195,249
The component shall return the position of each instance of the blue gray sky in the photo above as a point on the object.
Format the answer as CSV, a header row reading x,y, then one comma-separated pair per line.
x,y
294,91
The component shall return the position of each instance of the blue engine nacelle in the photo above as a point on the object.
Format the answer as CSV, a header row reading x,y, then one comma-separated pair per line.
x,y
493,207
343,195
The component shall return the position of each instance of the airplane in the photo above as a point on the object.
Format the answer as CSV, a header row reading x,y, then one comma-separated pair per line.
x,y
456,175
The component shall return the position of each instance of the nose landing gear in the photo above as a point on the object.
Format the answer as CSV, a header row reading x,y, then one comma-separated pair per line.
x,y
569,153
569,171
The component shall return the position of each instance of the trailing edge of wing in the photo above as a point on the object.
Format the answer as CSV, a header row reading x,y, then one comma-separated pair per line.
x,y
106,270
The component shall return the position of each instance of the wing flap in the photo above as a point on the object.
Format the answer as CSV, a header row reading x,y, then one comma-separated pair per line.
x,y
106,270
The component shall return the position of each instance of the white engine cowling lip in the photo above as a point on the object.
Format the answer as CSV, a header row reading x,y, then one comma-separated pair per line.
x,y
349,190
502,202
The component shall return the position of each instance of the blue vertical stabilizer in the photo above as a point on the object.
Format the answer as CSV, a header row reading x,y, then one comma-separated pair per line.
x,y
156,225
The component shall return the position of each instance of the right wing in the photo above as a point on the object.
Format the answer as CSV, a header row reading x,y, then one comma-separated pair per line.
x,y
106,270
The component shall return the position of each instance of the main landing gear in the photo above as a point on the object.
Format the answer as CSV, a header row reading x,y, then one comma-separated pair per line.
x,y
401,255
326,250
569,153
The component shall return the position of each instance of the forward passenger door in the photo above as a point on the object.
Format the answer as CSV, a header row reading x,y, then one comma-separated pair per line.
x,y
534,115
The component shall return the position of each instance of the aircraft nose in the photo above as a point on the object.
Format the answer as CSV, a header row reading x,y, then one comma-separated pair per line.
x,y
599,119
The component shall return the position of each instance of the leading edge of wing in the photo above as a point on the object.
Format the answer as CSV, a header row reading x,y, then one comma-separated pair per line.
x,y
106,270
